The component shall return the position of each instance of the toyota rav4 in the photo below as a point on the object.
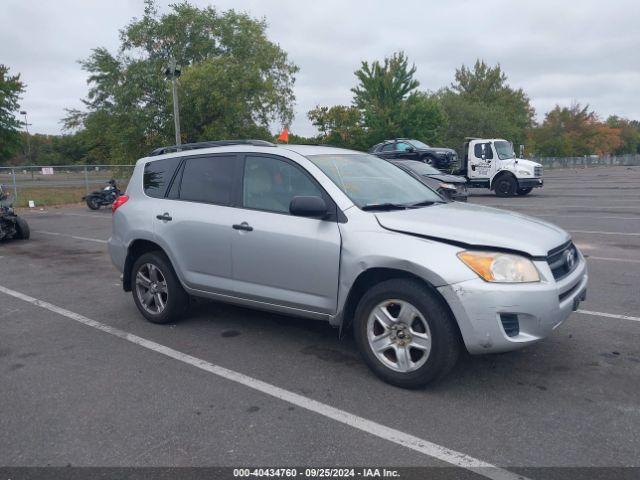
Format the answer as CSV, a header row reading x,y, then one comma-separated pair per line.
x,y
342,236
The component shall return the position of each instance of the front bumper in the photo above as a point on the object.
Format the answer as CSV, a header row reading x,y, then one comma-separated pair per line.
x,y
540,307
530,182
460,194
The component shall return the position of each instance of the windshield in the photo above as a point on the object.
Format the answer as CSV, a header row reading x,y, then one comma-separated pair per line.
x,y
369,180
419,144
421,168
504,149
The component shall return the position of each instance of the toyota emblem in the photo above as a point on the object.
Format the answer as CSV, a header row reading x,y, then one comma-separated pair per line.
x,y
570,258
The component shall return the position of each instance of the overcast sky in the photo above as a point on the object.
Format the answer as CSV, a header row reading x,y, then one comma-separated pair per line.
x,y
558,52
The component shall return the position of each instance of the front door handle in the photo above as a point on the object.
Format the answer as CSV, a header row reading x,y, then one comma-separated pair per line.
x,y
243,226
164,217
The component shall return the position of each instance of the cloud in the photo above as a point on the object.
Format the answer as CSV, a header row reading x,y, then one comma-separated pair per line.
x,y
557,52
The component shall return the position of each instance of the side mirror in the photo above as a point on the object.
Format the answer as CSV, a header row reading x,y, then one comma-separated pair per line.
x,y
483,146
312,207
410,150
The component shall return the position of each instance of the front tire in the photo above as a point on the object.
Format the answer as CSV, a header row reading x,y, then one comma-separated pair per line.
x,y
429,161
524,191
22,229
157,292
404,333
505,186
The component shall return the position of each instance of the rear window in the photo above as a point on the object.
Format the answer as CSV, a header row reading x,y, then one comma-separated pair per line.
x,y
208,179
157,176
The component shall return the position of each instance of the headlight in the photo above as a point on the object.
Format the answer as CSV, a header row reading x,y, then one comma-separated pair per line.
x,y
500,267
449,186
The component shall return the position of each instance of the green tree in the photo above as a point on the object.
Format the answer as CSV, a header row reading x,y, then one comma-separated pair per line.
x,y
421,117
481,103
386,104
10,89
235,82
339,125
381,93
575,131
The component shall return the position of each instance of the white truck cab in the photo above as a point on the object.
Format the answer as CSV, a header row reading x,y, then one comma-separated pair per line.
x,y
491,163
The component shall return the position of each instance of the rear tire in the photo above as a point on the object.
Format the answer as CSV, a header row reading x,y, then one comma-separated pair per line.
x,y
22,229
156,290
524,191
505,186
93,203
418,345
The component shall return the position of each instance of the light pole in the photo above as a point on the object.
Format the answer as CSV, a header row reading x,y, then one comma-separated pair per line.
x,y
173,72
26,128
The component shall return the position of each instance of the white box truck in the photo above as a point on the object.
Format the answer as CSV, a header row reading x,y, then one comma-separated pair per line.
x,y
491,163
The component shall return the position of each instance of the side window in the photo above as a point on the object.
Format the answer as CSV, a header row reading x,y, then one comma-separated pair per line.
x,y
488,152
402,146
208,179
270,184
388,147
157,175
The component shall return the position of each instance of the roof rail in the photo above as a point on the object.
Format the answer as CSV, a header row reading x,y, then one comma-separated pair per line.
x,y
211,144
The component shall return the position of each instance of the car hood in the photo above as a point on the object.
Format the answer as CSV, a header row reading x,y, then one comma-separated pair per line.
x,y
443,177
477,226
528,163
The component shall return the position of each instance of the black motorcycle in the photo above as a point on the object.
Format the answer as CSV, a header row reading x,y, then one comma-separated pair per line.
x,y
104,197
11,225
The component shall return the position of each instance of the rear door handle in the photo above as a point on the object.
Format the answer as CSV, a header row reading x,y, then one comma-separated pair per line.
x,y
243,226
165,217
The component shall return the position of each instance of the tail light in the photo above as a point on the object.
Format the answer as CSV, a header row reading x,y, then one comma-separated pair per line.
x,y
121,200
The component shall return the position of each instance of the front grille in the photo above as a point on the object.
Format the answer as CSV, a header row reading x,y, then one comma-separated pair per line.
x,y
563,260
537,171
461,187
510,324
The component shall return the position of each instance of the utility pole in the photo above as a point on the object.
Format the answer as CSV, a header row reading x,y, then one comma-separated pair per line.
x,y
173,72
26,127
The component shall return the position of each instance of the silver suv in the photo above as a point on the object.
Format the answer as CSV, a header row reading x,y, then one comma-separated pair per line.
x,y
342,236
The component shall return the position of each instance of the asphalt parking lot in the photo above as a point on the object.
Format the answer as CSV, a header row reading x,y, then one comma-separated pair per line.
x,y
75,393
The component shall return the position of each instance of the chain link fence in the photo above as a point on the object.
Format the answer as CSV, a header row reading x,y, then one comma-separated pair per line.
x,y
65,184
590,161
62,184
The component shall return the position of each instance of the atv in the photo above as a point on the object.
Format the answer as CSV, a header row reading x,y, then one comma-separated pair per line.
x,y
11,225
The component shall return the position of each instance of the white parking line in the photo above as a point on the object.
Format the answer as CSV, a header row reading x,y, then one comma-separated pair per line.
x,y
597,232
609,259
96,240
97,215
559,207
65,214
568,215
368,426
609,315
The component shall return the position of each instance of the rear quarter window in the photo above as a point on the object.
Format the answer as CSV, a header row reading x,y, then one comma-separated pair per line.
x,y
158,175
209,179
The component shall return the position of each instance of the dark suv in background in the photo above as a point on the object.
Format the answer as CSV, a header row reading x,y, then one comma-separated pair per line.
x,y
403,148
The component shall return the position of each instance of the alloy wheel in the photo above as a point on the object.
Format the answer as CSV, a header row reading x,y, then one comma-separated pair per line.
x,y
399,335
151,288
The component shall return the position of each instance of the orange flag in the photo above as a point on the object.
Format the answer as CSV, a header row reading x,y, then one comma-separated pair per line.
x,y
284,136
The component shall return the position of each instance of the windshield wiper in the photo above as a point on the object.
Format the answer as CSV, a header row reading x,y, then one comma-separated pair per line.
x,y
385,206
424,203
399,206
